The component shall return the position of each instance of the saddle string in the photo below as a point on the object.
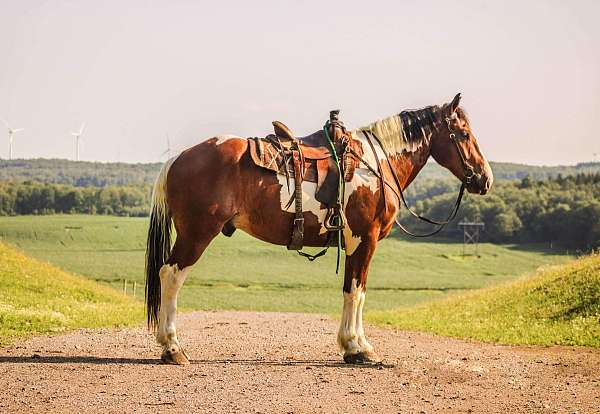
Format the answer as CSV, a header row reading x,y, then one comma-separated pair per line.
x,y
286,160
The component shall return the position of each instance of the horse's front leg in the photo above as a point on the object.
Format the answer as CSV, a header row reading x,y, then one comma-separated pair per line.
x,y
351,335
365,346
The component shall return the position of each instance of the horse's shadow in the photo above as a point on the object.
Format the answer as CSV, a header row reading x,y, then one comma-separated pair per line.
x,y
95,360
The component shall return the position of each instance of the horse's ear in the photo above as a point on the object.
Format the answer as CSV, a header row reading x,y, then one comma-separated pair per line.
x,y
454,103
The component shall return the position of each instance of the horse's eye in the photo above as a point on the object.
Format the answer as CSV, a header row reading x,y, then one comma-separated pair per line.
x,y
465,135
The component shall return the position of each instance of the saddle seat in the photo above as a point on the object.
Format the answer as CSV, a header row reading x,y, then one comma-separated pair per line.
x,y
313,146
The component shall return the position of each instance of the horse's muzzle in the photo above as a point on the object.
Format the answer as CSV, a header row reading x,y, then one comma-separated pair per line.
x,y
480,184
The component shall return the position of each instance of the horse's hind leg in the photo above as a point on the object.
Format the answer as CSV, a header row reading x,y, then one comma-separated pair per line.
x,y
186,252
171,280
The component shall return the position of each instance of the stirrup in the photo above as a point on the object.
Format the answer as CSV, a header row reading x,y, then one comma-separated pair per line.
x,y
331,223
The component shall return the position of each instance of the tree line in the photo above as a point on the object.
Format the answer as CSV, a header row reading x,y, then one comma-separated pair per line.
x,y
561,210
39,198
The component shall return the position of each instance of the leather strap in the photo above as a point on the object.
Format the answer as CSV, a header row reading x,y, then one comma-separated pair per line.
x,y
297,241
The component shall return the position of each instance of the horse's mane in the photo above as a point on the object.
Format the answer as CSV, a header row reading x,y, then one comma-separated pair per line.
x,y
407,131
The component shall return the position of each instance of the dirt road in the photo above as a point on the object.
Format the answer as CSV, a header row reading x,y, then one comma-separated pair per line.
x,y
275,362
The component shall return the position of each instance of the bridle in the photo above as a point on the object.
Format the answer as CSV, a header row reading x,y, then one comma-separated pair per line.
x,y
468,171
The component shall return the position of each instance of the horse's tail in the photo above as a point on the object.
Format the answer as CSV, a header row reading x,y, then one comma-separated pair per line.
x,y
158,246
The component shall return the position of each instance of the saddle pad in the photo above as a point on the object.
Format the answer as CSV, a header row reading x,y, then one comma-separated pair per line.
x,y
266,155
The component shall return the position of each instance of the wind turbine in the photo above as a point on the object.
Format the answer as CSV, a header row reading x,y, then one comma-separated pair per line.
x,y
168,150
77,136
11,132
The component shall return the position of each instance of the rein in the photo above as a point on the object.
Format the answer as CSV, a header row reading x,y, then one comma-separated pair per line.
x,y
469,174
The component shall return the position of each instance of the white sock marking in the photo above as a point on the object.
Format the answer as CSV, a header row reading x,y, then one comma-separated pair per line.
x,y
360,330
347,335
171,280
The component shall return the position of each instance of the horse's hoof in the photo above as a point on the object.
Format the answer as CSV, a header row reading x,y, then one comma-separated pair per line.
x,y
351,358
175,356
362,358
372,358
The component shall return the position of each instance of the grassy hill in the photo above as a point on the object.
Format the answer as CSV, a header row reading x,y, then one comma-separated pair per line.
x,y
100,174
558,305
247,274
36,297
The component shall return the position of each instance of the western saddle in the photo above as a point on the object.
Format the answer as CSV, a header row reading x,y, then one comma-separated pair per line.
x,y
327,157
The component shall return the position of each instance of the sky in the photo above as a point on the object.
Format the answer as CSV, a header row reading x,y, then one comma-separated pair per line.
x,y
134,71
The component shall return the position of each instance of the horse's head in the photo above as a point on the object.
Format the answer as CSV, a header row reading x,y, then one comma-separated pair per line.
x,y
455,147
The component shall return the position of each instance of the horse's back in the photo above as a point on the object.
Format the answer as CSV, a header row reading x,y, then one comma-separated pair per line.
x,y
221,148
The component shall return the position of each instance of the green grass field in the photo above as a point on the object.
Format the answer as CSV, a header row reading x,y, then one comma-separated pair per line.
x,y
244,273
36,297
558,305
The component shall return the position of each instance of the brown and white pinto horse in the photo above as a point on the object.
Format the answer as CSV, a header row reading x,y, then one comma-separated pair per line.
x,y
216,184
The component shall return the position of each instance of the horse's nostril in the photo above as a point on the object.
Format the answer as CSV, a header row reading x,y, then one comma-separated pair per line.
x,y
484,184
